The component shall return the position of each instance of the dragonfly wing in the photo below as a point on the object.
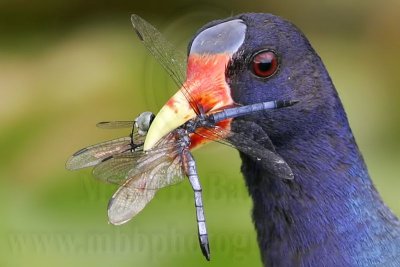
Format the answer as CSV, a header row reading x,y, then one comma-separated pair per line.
x,y
116,169
138,139
165,171
95,154
165,53
115,124
257,134
259,147
129,200
173,61
141,186
163,163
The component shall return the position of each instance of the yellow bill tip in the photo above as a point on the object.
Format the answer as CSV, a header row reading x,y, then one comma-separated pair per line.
x,y
176,112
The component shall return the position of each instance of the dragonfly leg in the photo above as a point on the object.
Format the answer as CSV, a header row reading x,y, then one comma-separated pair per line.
x,y
191,172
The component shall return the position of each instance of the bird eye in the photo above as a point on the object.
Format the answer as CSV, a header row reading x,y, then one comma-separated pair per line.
x,y
264,64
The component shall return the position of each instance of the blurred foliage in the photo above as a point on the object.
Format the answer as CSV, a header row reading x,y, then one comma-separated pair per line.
x,y
65,65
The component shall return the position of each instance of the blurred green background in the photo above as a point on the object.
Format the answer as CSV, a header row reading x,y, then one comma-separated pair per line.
x,y
65,65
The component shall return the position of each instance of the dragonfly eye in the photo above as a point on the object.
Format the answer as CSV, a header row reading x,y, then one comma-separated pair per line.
x,y
143,121
264,64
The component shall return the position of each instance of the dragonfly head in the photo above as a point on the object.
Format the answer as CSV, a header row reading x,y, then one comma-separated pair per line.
x,y
143,122
206,88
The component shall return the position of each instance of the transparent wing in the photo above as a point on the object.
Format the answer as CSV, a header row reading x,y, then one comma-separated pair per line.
x,y
115,124
116,169
127,202
166,54
142,185
164,157
161,171
173,61
259,147
95,154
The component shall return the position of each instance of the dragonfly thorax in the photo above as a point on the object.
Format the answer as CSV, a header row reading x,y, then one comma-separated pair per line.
x,y
183,138
198,122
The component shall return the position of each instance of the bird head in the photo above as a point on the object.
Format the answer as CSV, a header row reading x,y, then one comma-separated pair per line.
x,y
247,59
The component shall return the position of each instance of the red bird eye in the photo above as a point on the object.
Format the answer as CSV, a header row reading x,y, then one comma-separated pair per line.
x,y
264,64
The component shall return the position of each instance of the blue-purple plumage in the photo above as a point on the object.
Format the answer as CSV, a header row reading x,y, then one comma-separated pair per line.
x,y
331,213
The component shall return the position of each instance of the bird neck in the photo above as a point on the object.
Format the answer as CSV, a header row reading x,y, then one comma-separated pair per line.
x,y
330,201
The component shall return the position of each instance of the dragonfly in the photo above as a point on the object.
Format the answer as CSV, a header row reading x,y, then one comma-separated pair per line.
x,y
140,174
